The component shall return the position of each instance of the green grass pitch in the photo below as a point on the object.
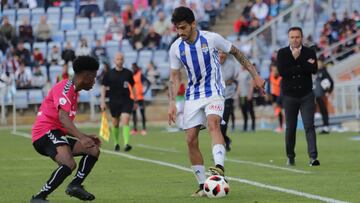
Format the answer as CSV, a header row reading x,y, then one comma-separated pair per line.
x,y
255,157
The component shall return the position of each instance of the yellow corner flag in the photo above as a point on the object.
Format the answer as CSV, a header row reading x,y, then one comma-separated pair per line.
x,y
104,127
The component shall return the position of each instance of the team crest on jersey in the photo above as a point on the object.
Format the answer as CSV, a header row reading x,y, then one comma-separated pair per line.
x,y
62,101
182,53
204,48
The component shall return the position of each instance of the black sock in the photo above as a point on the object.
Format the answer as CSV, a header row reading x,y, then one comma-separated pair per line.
x,y
201,186
220,166
56,178
86,164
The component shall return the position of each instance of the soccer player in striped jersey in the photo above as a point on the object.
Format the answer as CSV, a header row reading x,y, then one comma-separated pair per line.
x,y
197,52
53,125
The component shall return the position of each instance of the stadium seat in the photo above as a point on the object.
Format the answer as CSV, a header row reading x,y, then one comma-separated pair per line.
x,y
51,44
35,96
160,56
112,47
84,96
130,57
100,34
21,99
164,69
53,14
27,46
68,13
11,14
58,36
54,71
67,24
21,13
36,13
82,24
89,35
54,25
126,46
97,23
145,56
72,35
44,71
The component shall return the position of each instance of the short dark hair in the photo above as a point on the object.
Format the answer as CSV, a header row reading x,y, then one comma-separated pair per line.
x,y
182,13
85,63
296,29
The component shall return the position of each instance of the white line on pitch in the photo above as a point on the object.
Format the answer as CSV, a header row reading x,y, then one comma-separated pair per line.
x,y
249,182
157,148
268,166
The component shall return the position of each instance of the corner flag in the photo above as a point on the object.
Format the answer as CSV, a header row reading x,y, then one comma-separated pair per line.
x,y
104,127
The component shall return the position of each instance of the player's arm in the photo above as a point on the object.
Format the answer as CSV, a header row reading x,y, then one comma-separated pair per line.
x,y
244,61
174,83
102,97
72,130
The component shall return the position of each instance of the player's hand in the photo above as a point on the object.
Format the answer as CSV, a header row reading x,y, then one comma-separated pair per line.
x,y
312,61
135,105
172,112
96,140
259,84
102,106
87,142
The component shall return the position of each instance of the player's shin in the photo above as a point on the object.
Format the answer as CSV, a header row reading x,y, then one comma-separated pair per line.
x,y
56,178
87,162
218,152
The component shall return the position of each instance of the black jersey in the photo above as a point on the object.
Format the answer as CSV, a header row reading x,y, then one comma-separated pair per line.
x,y
119,83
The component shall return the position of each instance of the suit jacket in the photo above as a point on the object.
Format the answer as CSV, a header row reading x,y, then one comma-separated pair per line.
x,y
296,74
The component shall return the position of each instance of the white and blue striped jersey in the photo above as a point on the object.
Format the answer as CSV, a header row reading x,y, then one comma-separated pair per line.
x,y
201,61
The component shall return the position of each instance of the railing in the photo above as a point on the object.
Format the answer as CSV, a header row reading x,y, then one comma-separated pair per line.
x,y
346,98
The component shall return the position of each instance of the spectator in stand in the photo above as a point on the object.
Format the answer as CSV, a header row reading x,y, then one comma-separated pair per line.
x,y
54,57
275,90
140,4
23,53
89,8
83,49
137,38
260,10
114,29
104,69
254,25
68,54
152,39
23,76
38,80
111,7
99,52
38,57
334,22
241,25
245,92
10,64
26,31
161,25
274,8
127,16
247,9
43,30
64,74
324,85
152,74
8,31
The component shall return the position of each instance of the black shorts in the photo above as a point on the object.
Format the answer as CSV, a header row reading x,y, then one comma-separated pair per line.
x,y
46,145
117,108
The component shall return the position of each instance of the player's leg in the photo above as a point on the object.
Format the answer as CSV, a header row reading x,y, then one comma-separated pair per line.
x,y
87,162
143,117
291,107
196,159
214,111
55,145
134,118
224,125
126,109
252,114
115,114
243,107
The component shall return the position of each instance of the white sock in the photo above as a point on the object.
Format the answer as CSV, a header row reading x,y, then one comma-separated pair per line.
x,y
219,154
199,172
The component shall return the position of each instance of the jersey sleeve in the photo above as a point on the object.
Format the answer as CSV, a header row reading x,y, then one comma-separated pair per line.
x,y
221,43
62,98
175,62
131,78
105,80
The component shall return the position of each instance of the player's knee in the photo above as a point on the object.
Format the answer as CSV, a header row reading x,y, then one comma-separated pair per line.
x,y
213,126
95,151
191,141
71,164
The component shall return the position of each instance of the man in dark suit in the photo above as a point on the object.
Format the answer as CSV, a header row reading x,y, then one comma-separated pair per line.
x,y
296,64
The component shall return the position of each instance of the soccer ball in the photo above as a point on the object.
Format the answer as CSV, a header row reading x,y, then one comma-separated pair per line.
x,y
216,186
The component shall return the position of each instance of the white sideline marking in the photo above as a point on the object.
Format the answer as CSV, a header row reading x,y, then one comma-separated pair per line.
x,y
268,166
157,148
249,182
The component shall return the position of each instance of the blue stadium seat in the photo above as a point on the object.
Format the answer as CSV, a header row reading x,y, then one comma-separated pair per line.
x,y
68,13
21,13
89,35
126,46
67,24
164,69
21,99
54,71
35,96
130,57
84,96
112,47
144,58
54,25
36,13
160,56
44,72
72,35
53,13
82,24
58,36
100,34
97,23
11,14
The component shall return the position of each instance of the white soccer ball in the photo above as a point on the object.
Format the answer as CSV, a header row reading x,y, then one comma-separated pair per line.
x,y
216,186
325,84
